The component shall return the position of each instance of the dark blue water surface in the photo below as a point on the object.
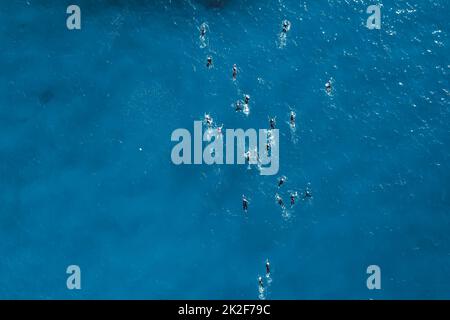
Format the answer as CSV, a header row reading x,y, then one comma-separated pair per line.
x,y
86,176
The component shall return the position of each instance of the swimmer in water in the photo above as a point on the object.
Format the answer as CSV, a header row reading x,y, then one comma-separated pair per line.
x,y
235,71
209,62
203,30
246,99
260,282
267,268
293,196
238,106
247,156
208,120
244,204
279,200
281,180
308,194
328,86
272,123
292,119
286,26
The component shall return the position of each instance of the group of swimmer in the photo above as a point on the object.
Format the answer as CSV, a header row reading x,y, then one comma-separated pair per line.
x,y
209,122
293,196
286,26
243,106
209,64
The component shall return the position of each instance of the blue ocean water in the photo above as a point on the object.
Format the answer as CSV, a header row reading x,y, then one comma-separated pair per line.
x,y
86,176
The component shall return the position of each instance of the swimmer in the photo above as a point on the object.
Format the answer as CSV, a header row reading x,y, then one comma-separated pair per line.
x,y
328,86
203,30
246,109
272,123
279,200
246,99
281,180
208,120
209,62
308,194
238,106
244,203
267,268
235,71
292,119
247,156
267,146
293,196
286,26
260,282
